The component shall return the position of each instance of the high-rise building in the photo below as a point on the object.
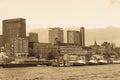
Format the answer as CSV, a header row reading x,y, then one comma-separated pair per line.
x,y
1,40
56,33
73,37
33,37
20,46
13,28
82,36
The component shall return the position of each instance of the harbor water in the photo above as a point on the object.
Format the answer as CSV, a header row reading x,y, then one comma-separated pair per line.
x,y
98,72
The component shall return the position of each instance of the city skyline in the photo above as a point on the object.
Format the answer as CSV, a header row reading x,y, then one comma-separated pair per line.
x,y
59,39
97,34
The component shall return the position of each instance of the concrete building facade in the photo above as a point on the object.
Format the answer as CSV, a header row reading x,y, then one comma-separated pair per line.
x,y
33,37
1,40
43,49
20,46
82,36
56,33
13,28
73,37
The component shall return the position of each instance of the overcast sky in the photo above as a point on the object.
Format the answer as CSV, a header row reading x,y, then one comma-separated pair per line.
x,y
62,13
41,13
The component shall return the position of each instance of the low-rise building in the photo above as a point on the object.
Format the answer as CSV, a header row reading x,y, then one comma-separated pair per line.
x,y
42,49
20,46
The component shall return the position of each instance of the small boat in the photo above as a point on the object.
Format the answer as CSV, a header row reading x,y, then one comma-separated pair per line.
x,y
79,63
102,61
116,61
57,64
41,65
92,62
17,64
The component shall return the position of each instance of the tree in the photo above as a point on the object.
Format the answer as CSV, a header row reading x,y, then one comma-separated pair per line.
x,y
31,52
50,56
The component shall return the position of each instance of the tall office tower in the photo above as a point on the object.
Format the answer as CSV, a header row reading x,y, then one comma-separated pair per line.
x,y
13,28
73,37
56,33
82,36
33,37
1,40
20,46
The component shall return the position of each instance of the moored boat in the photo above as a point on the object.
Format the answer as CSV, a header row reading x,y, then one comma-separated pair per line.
x,y
81,60
102,61
92,62
32,62
116,61
79,63
18,65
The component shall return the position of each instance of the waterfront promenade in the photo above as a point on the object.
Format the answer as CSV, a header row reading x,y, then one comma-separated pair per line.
x,y
98,72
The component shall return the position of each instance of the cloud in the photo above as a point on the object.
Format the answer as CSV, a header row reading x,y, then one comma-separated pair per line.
x,y
114,1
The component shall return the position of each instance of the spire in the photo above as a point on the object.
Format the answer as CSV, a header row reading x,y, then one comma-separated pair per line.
x,y
95,43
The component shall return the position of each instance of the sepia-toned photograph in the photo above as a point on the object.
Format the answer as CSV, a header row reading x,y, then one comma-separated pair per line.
x,y
59,39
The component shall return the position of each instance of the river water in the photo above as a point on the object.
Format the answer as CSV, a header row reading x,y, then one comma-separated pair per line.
x,y
99,72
